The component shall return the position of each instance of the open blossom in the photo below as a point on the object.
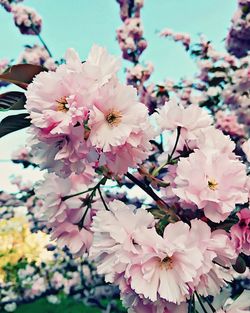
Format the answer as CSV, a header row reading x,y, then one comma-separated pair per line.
x,y
63,215
81,114
211,182
77,240
26,19
115,115
240,232
191,118
113,236
58,100
164,266
218,252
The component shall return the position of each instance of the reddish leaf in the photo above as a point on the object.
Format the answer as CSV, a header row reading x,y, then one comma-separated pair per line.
x,y
21,74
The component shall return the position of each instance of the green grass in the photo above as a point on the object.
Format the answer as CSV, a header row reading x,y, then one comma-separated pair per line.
x,y
67,305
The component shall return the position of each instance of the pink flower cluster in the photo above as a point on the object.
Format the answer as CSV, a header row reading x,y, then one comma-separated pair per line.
x,y
238,42
130,39
68,218
240,232
37,55
178,37
138,74
229,124
26,19
7,4
82,114
220,181
130,7
153,270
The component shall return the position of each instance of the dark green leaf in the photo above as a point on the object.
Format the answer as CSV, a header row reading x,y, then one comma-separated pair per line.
x,y
240,265
13,100
13,122
21,74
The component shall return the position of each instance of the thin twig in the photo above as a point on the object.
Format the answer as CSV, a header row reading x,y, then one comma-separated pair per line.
x,y
103,201
41,39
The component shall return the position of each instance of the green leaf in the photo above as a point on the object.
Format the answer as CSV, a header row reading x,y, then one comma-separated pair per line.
x,y
21,74
13,100
13,123
240,265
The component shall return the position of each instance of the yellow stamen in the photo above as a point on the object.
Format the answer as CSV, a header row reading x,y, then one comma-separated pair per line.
x,y
167,263
62,104
114,118
212,184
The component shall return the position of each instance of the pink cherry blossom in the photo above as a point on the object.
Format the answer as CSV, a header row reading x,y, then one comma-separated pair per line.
x,y
240,232
113,236
114,116
212,182
191,118
26,19
165,266
69,235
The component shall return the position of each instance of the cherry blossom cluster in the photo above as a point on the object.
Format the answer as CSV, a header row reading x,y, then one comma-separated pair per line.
x,y
26,19
69,218
185,145
37,55
178,37
130,34
130,7
162,259
7,4
238,42
90,117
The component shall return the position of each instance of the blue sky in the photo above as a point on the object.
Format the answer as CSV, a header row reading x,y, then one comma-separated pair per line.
x,y
80,23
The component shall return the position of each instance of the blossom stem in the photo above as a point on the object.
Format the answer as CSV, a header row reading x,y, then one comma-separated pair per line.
x,y
211,306
201,303
176,142
143,186
41,39
158,169
160,203
101,196
101,182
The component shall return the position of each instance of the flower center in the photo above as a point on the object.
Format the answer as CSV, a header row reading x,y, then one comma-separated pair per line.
x,y
212,184
114,118
62,104
167,263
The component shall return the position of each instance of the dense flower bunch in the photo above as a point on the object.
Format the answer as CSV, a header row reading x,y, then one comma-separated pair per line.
x,y
238,42
178,37
7,4
130,34
185,145
90,117
26,19
37,55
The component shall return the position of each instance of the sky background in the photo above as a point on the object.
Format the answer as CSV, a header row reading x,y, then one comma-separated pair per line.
x,y
81,23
